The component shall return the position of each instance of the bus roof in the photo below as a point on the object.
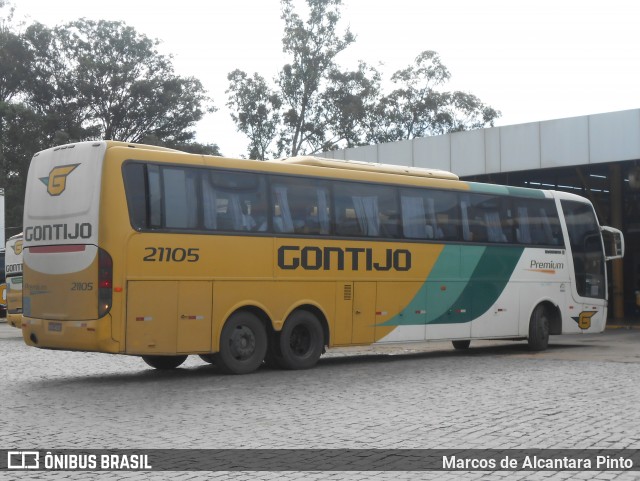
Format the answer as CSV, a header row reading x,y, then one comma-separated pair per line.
x,y
369,167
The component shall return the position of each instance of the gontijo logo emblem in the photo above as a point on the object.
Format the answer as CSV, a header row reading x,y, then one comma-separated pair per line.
x,y
584,319
17,247
57,180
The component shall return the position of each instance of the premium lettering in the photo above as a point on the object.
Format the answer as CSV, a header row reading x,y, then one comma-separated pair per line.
x,y
313,258
546,265
54,232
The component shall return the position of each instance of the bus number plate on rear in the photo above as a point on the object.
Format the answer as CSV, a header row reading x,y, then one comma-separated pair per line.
x,y
55,326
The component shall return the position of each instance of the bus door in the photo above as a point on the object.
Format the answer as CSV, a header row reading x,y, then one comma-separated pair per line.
x,y
589,288
364,312
161,322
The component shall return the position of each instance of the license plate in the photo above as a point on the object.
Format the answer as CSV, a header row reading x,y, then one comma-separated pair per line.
x,y
55,326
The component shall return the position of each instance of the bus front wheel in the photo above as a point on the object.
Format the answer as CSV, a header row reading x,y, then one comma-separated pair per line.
x,y
243,344
164,362
539,329
301,341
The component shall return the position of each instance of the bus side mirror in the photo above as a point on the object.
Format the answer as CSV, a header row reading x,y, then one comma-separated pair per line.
x,y
613,243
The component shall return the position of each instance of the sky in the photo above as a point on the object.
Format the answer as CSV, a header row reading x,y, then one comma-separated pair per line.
x,y
532,60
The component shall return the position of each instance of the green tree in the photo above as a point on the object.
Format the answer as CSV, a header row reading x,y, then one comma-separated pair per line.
x,y
313,45
418,107
50,88
324,106
348,104
21,139
105,80
255,110
14,58
82,81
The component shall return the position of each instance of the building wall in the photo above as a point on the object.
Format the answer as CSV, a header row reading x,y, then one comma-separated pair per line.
x,y
590,139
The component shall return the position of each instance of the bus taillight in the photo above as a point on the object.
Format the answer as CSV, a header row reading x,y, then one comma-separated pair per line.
x,y
105,282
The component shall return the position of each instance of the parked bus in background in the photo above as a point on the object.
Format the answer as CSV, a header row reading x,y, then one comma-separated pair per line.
x,y
13,273
3,287
157,253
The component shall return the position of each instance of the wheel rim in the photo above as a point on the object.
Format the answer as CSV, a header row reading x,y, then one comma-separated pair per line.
x,y
300,340
242,344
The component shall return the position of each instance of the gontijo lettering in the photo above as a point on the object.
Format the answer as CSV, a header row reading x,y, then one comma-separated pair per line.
x,y
49,232
313,258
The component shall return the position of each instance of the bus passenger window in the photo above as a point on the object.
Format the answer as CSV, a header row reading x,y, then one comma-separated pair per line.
x,y
180,198
494,227
136,189
366,210
301,206
414,224
229,200
523,231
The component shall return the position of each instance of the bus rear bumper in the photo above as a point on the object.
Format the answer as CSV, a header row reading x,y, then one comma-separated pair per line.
x,y
92,335
14,320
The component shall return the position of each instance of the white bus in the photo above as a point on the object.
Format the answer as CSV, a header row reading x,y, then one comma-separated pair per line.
x,y
13,273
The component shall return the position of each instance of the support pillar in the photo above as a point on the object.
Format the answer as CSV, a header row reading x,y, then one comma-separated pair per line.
x,y
615,192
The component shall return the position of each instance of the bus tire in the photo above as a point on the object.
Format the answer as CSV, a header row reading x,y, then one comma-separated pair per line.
x,y
243,344
164,362
301,341
461,344
539,329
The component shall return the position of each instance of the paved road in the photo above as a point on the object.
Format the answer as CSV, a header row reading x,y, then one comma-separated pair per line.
x,y
583,392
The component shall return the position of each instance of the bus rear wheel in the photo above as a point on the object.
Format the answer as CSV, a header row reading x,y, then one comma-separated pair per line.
x,y
243,344
164,362
539,329
301,341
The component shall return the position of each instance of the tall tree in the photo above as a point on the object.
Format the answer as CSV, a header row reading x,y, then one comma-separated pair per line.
x,y
14,58
105,80
313,45
419,106
20,140
348,105
324,106
86,80
255,110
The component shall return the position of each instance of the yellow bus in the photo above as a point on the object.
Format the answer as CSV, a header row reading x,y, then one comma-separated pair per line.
x,y
13,273
150,252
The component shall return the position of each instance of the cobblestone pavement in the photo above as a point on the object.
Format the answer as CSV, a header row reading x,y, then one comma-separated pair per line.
x,y
583,392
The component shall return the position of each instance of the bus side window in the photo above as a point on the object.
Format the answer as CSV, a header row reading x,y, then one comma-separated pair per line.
x,y
494,227
180,197
366,210
421,210
233,201
414,224
155,196
300,206
537,222
136,189
523,228
464,211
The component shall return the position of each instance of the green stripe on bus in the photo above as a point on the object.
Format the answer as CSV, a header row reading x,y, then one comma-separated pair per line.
x,y
506,190
447,299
